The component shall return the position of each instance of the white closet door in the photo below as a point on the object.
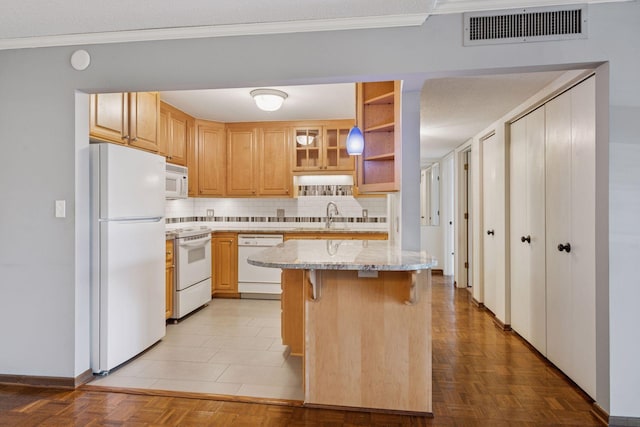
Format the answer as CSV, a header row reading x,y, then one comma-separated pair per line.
x,y
489,218
570,163
583,286
527,195
558,192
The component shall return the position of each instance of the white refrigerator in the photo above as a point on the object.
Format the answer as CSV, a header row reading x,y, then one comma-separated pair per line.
x,y
128,253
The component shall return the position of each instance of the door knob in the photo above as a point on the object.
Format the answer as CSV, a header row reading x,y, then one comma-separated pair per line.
x,y
490,232
525,239
565,247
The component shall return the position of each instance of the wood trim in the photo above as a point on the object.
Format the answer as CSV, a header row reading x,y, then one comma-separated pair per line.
x,y
83,378
369,410
500,324
219,294
192,395
601,414
479,305
57,382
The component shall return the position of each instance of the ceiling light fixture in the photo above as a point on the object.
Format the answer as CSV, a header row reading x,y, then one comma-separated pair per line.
x,y
355,142
268,99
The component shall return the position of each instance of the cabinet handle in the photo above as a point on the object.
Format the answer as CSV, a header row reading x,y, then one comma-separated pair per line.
x,y
126,137
135,138
566,247
525,239
491,232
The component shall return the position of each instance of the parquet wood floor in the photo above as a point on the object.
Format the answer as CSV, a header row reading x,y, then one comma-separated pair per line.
x,y
482,376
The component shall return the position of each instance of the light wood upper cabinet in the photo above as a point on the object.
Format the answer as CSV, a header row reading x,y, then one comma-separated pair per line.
x,y
109,117
144,123
322,147
335,146
378,116
126,118
174,136
258,160
241,161
274,173
224,263
210,164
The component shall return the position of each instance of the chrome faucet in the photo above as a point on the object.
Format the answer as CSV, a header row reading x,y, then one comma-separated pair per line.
x,y
331,213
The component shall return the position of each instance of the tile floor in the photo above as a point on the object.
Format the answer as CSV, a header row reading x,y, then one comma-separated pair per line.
x,y
230,347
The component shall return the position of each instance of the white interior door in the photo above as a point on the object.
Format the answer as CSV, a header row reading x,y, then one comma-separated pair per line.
x,y
582,256
527,228
489,215
558,214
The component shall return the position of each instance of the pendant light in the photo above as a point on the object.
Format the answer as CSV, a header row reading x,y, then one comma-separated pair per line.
x,y
268,99
355,142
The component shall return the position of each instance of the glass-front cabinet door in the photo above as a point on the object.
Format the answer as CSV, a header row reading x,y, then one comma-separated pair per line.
x,y
308,154
336,156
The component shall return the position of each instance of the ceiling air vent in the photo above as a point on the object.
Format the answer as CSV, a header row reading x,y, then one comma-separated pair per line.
x,y
525,25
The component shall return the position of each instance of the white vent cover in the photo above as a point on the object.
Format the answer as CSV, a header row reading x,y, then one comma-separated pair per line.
x,y
525,25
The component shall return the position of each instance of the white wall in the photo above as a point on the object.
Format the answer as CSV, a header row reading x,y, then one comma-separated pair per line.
x,y
624,241
38,253
447,182
410,158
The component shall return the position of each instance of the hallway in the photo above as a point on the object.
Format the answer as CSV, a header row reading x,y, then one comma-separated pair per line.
x,y
481,376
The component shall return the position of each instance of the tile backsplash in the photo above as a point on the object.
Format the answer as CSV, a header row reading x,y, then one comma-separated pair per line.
x,y
298,210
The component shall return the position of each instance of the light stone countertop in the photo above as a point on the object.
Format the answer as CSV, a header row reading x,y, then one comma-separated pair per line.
x,y
371,255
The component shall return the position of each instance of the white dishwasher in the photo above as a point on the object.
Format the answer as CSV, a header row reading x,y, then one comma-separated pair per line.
x,y
257,282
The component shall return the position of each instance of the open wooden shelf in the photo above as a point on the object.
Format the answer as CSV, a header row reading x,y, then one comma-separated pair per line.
x,y
379,157
378,111
386,98
384,127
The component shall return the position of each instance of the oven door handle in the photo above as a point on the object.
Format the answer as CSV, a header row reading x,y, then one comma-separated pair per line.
x,y
197,244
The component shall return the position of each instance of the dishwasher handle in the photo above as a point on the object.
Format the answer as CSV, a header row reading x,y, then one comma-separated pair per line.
x,y
259,240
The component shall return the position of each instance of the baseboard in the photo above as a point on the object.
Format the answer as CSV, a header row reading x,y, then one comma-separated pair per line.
x,y
226,295
83,378
600,414
501,325
373,410
477,303
624,421
194,395
38,381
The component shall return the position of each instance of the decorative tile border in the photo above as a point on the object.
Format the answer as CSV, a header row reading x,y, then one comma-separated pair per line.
x,y
294,219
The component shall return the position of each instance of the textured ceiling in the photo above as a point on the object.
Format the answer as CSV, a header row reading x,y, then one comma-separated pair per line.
x,y
452,110
314,102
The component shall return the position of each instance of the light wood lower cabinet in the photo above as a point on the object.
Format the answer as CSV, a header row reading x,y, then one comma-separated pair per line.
x,y
224,264
292,298
169,270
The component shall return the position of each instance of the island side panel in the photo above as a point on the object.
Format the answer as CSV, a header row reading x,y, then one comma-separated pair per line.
x,y
366,348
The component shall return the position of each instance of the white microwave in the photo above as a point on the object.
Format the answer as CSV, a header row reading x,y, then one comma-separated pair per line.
x,y
177,186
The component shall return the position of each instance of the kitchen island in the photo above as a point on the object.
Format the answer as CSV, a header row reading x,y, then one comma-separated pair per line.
x,y
366,326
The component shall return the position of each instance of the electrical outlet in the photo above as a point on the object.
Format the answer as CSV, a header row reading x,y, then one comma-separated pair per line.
x,y
365,213
210,213
280,213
